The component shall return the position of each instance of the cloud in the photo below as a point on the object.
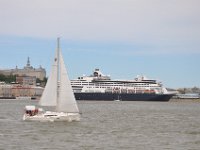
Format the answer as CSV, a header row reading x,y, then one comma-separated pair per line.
x,y
143,22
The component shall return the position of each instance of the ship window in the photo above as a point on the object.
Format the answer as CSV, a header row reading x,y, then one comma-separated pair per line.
x,y
95,74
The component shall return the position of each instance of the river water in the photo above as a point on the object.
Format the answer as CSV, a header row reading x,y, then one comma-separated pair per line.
x,y
105,125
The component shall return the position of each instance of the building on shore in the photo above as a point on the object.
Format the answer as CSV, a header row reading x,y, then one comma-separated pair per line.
x,y
5,90
188,96
16,90
27,71
26,80
25,84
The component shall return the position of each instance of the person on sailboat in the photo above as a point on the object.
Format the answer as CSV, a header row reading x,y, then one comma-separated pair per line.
x,y
31,110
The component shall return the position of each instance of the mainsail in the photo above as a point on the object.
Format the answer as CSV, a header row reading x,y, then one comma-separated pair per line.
x,y
49,95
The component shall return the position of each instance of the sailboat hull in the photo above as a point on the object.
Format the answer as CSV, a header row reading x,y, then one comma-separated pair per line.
x,y
53,116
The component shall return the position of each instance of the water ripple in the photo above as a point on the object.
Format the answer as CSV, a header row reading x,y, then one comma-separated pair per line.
x,y
105,125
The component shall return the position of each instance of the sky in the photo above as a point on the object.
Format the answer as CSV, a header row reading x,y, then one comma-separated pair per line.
x,y
123,38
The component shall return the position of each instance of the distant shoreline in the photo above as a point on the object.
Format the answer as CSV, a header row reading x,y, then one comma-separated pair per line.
x,y
171,100
184,100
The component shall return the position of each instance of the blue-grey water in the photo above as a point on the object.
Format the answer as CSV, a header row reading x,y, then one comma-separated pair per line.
x,y
105,126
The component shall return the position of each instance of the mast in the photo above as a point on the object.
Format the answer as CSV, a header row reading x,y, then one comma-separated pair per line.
x,y
58,57
58,69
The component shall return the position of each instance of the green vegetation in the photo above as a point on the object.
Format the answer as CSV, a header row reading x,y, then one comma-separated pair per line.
x,y
189,90
12,78
7,79
42,82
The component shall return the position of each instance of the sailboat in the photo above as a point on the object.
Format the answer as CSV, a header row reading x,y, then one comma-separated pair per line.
x,y
57,93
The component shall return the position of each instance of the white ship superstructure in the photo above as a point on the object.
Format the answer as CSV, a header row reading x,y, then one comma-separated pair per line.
x,y
99,83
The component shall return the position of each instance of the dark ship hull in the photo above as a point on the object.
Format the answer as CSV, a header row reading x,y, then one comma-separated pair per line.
x,y
123,96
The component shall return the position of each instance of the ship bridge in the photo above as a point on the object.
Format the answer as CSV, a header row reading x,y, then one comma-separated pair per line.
x,y
98,75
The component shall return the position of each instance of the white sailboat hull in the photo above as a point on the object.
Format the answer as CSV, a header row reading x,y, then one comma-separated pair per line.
x,y
53,116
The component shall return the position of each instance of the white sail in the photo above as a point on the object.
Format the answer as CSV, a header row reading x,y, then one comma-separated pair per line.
x,y
49,95
66,99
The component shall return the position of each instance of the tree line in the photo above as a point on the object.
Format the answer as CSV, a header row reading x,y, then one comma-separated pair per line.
x,y
8,78
12,78
189,90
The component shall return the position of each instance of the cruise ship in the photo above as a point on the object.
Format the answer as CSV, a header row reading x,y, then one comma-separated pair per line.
x,y
100,87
